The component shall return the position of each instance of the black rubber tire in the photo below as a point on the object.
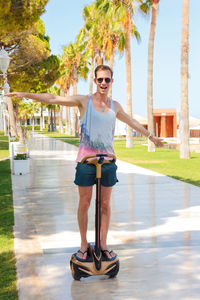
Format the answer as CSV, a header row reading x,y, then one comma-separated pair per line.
x,y
77,277
114,272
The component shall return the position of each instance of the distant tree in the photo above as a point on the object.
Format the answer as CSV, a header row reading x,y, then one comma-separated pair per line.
x,y
55,90
34,109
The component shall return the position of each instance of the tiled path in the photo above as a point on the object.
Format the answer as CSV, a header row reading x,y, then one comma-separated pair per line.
x,y
154,229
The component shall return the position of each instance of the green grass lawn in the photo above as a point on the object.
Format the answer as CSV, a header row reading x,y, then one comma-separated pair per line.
x,y
4,152
164,161
8,288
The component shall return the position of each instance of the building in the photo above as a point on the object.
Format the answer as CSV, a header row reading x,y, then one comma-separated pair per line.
x,y
165,122
194,127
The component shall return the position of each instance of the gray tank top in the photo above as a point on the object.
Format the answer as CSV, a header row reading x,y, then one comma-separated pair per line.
x,y
97,131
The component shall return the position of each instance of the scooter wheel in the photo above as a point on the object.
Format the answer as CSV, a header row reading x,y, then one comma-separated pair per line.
x,y
75,273
76,277
113,273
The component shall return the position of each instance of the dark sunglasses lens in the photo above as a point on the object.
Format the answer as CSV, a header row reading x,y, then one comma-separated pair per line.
x,y
100,80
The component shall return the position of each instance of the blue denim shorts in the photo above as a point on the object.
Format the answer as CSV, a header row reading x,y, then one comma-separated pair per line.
x,y
86,174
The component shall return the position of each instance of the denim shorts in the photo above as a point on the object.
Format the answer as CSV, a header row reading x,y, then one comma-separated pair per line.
x,y
86,174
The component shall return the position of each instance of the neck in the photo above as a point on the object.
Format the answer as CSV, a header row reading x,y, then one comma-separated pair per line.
x,y
101,97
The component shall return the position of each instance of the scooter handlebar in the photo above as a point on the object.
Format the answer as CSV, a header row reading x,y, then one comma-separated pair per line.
x,y
84,159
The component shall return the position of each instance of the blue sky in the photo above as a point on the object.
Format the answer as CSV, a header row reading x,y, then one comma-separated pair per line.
x,y
63,19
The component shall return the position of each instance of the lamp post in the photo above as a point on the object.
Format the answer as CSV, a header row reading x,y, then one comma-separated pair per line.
x,y
4,61
4,64
1,111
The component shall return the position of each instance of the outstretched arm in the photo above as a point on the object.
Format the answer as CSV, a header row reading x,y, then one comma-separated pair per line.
x,y
133,123
49,98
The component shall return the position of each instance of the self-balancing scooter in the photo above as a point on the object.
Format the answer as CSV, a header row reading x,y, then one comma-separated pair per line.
x,y
96,263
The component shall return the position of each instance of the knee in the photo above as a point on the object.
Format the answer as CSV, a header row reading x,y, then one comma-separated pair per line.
x,y
105,206
84,203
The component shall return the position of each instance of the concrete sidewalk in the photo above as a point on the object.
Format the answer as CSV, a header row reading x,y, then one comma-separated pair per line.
x,y
154,229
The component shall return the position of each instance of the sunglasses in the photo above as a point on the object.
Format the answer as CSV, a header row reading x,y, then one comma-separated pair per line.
x,y
107,80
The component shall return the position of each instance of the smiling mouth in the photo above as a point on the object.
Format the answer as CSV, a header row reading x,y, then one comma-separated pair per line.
x,y
103,87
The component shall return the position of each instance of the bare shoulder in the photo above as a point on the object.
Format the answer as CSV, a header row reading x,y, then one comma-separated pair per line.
x,y
120,113
75,100
117,106
81,98
83,102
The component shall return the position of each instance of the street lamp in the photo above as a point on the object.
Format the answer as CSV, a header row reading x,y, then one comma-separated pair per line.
x,y
4,64
4,61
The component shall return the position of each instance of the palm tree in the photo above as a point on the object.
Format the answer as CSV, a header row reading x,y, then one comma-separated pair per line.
x,y
61,129
34,107
65,81
41,116
120,12
75,59
145,7
52,109
19,126
124,12
92,33
151,146
112,33
22,113
184,122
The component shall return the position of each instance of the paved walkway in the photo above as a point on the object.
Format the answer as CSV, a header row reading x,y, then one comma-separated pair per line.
x,y
154,229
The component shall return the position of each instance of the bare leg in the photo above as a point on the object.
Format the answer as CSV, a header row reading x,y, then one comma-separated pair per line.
x,y
105,217
85,194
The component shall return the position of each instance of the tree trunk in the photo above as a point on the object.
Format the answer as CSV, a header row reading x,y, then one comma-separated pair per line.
x,y
41,117
129,133
13,127
19,127
54,118
68,121
61,130
151,146
68,118
61,119
184,122
75,113
99,59
111,62
33,123
49,118
21,132
92,74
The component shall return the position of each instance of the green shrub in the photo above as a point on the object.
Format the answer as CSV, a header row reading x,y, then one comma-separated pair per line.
x,y
29,127
20,156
